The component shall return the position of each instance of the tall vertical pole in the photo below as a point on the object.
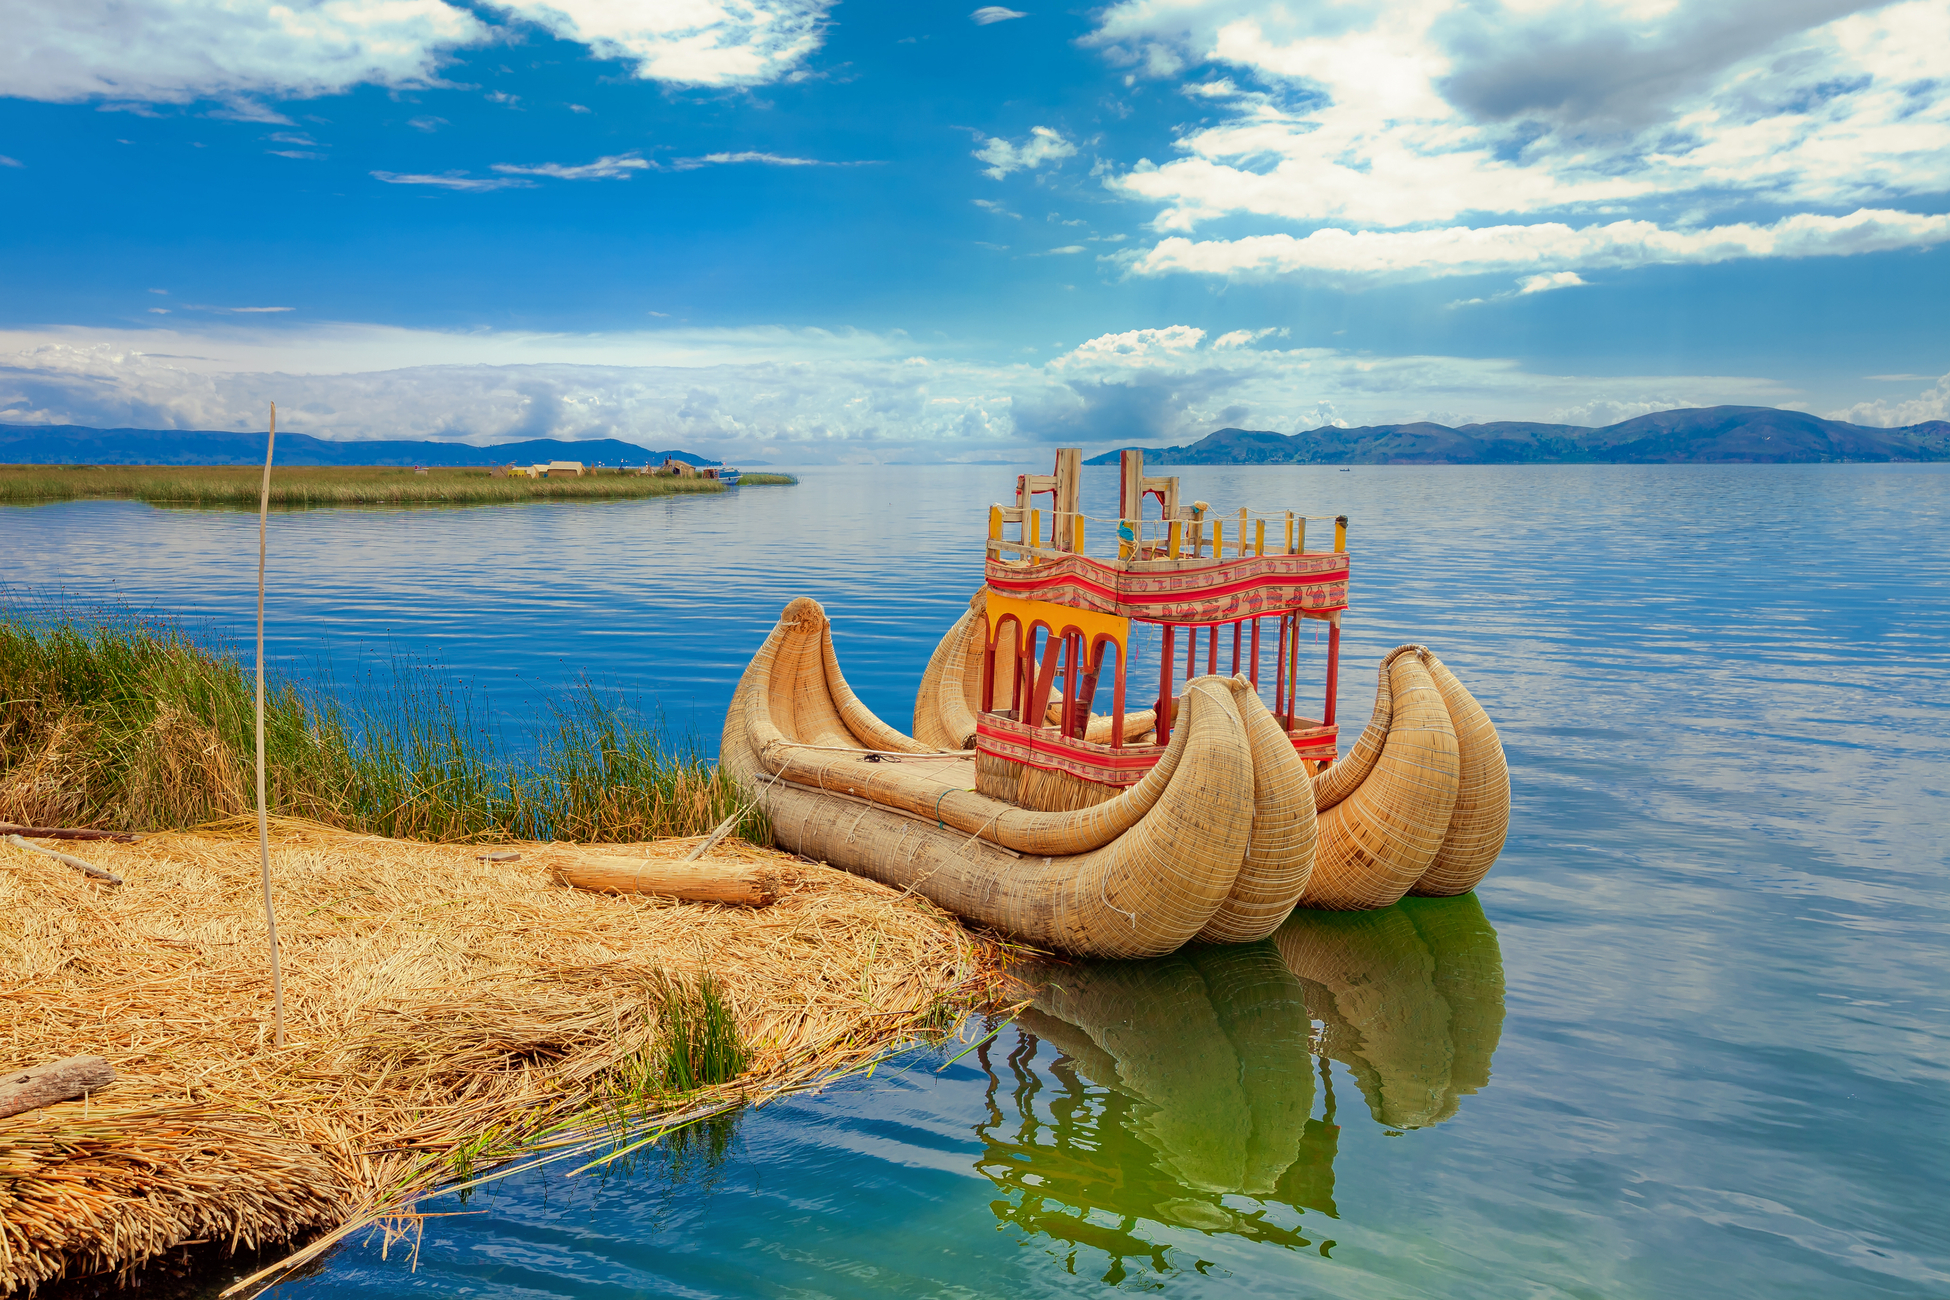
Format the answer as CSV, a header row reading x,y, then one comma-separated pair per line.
x,y
263,824
1165,658
1279,669
1333,666
1254,675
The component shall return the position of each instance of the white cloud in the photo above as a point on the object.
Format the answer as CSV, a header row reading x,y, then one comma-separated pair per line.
x,y
10,162
1244,338
1414,113
1548,281
757,156
616,167
690,42
1931,404
1043,145
453,180
805,395
995,14
997,208
180,50
1463,250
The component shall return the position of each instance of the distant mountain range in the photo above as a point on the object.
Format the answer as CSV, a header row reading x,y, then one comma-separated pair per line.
x,y
74,444
1712,434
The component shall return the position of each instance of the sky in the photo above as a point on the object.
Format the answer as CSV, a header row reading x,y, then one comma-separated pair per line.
x,y
807,231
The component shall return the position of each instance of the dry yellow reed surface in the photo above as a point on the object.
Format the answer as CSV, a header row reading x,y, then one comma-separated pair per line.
x,y
443,1013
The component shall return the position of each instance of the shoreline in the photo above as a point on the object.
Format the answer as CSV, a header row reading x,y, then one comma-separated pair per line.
x,y
314,487
449,1019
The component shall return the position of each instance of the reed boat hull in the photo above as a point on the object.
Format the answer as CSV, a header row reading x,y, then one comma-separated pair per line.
x,y
1419,805
1216,842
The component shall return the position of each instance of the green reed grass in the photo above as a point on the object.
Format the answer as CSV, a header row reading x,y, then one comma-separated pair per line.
x,y
299,487
699,1044
127,723
766,480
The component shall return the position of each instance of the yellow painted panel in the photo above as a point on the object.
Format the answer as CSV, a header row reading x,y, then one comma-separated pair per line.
x,y
1058,617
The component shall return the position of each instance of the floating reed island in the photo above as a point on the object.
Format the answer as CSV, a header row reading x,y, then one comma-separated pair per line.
x,y
301,487
464,992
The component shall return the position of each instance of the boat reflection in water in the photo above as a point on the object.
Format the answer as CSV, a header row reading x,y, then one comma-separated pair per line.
x,y
1184,1083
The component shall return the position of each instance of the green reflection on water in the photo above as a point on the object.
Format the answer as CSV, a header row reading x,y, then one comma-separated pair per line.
x,y
1185,1088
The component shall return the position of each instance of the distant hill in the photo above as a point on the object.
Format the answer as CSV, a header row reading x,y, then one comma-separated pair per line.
x,y
1712,434
74,444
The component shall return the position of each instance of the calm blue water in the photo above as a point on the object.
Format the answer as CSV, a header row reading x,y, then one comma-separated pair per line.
x,y
1690,1038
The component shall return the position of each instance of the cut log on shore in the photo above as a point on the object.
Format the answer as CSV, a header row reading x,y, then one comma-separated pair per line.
x,y
65,833
697,882
43,1085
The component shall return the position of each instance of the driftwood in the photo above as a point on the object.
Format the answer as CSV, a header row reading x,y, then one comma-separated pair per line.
x,y
87,869
716,882
43,1085
64,833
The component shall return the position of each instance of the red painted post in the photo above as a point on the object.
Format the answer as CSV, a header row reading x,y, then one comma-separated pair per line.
x,y
1238,630
1333,667
1191,652
988,673
1117,704
1253,676
1164,688
1212,649
1279,669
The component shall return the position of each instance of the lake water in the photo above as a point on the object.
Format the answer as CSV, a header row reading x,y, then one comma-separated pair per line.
x,y
1691,1037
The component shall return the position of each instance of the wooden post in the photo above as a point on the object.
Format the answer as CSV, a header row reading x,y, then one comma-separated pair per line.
x,y
1033,531
1212,650
1340,534
43,1085
1333,665
263,829
1293,673
1259,537
1117,702
1191,652
1238,631
1173,535
988,666
1218,539
1300,535
1279,668
1254,675
1289,534
1165,657
995,531
1078,548
1065,535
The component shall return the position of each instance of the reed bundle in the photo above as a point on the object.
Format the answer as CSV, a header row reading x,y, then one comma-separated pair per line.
x,y
445,1014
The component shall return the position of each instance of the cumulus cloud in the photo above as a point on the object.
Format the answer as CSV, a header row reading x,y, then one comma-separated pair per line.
x,y
808,395
995,14
1931,404
182,50
179,50
1421,113
1042,145
693,42
1536,249
1415,111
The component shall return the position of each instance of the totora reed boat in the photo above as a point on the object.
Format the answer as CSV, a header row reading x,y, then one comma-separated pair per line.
x,y
1208,815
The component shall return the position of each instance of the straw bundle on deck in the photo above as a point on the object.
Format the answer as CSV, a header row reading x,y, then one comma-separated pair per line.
x,y
444,1013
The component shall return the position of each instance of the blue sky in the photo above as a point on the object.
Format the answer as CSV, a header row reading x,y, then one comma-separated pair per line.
x,y
794,230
